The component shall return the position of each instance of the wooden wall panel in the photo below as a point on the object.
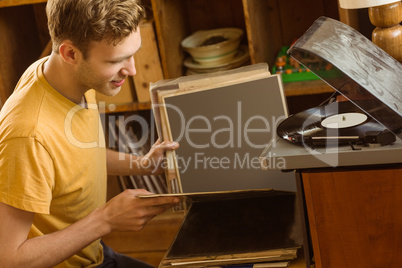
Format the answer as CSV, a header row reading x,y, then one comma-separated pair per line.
x,y
147,63
296,17
211,14
264,35
41,23
7,3
20,45
171,25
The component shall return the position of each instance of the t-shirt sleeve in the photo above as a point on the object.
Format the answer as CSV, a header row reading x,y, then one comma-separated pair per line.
x,y
26,175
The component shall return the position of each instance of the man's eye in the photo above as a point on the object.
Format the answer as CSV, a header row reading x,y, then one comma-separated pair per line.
x,y
116,61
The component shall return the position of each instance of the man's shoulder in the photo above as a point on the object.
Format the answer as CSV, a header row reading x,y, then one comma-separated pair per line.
x,y
19,114
30,74
28,89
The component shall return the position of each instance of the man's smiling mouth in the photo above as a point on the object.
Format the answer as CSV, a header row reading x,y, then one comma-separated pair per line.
x,y
118,83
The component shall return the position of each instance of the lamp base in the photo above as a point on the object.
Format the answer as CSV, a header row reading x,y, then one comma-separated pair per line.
x,y
388,34
390,40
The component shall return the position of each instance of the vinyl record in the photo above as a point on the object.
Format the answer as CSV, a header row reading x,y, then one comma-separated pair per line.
x,y
337,123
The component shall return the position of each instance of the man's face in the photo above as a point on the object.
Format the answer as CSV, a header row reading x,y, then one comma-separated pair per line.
x,y
107,66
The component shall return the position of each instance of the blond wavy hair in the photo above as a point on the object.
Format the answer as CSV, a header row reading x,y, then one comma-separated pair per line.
x,y
82,21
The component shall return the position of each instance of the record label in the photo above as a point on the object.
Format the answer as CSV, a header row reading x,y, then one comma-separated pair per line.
x,y
344,120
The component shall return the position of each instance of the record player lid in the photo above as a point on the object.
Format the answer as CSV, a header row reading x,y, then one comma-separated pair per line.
x,y
365,74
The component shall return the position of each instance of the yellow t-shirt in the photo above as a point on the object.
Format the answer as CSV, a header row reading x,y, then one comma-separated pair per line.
x,y
52,159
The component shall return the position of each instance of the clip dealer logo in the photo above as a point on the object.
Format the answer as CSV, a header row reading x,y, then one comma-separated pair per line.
x,y
222,141
329,152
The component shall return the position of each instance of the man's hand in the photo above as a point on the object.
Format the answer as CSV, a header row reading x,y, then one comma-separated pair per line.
x,y
127,212
152,162
119,163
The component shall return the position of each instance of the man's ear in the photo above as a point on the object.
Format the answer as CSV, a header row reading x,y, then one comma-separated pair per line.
x,y
69,53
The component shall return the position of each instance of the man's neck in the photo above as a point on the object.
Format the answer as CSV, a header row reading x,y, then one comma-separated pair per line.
x,y
60,76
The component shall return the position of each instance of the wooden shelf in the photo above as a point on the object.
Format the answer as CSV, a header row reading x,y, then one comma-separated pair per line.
x,y
306,88
292,89
10,3
268,25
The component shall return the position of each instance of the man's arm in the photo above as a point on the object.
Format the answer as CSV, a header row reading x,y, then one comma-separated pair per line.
x,y
127,164
125,212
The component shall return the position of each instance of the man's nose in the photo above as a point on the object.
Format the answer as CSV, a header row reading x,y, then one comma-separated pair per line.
x,y
129,67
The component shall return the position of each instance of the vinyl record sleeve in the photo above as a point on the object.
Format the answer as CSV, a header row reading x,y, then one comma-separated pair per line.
x,y
224,228
222,129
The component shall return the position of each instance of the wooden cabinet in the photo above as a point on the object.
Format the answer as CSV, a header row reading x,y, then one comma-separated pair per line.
x,y
354,216
268,25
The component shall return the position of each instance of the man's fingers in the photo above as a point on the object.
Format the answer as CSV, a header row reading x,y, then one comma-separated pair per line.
x,y
154,201
137,192
159,201
167,145
156,210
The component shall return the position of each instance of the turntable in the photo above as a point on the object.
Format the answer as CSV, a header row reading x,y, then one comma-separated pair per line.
x,y
366,127
334,124
347,156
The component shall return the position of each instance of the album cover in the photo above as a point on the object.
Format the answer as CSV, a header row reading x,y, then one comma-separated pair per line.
x,y
222,124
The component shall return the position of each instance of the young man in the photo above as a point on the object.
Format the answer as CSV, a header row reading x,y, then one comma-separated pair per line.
x,y
53,160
